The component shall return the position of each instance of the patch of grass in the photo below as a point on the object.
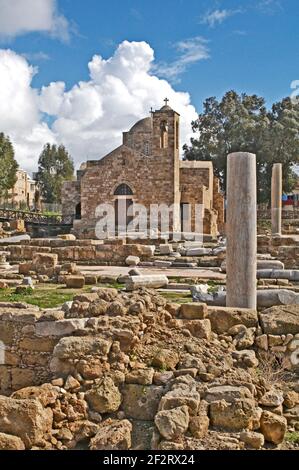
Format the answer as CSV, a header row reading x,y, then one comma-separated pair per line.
x,y
292,437
178,298
111,285
43,296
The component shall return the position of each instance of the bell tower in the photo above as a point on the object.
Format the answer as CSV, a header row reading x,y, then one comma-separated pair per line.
x,y
166,146
166,132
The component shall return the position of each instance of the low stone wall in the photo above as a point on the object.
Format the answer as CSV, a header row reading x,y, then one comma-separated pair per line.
x,y
30,335
26,355
284,249
114,371
80,251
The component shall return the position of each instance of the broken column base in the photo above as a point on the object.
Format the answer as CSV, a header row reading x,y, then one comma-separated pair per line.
x,y
151,282
265,298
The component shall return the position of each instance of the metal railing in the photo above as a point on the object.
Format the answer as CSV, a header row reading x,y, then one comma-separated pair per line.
x,y
34,217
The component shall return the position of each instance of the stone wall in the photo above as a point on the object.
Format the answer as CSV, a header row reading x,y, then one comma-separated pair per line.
x,y
115,371
27,356
285,249
30,334
71,196
81,251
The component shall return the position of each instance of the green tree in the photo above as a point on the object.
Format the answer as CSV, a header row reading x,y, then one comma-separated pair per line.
x,y
8,165
242,123
55,166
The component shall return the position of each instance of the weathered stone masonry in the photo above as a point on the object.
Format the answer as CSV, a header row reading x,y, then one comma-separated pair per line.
x,y
148,164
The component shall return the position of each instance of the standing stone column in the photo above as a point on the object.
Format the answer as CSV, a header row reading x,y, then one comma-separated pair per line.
x,y
276,198
241,225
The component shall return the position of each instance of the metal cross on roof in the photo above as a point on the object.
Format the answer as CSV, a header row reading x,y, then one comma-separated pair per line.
x,y
166,101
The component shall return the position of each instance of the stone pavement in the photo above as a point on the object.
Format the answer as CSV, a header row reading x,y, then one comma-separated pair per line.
x,y
171,272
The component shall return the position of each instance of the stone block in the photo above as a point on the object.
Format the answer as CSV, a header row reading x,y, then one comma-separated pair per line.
x,y
141,402
224,318
132,261
192,311
198,328
75,282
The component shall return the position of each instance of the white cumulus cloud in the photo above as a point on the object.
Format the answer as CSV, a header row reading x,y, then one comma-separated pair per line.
x,y
19,17
90,117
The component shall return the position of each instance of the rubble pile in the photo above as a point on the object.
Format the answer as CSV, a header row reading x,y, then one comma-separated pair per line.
x,y
128,370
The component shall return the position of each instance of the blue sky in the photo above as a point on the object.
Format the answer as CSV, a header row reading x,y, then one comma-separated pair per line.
x,y
254,48
81,72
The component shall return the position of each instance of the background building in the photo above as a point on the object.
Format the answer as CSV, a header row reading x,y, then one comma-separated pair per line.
x,y
21,196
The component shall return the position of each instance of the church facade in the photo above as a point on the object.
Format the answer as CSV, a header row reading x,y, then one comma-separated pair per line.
x,y
146,169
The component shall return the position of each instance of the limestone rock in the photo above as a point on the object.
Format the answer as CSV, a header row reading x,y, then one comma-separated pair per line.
x,y
26,419
273,427
224,318
78,347
192,362
104,397
199,426
228,393
47,394
245,358
71,384
113,435
162,378
82,429
245,339
291,399
198,328
272,398
132,261
140,376
166,359
262,342
60,328
194,310
252,439
75,282
280,320
172,423
232,416
141,402
9,442
106,293
98,308
181,396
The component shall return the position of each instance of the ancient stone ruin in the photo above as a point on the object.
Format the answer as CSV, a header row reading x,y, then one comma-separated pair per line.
x,y
153,344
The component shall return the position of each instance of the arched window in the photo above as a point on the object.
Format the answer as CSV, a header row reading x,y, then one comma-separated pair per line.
x,y
123,190
164,135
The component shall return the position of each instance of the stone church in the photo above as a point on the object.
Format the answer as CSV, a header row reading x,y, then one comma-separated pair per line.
x,y
146,169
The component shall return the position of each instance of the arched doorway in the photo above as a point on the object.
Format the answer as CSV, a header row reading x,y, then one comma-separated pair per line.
x,y
123,201
78,211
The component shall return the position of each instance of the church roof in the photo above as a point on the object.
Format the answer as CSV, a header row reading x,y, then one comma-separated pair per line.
x,y
166,108
144,125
